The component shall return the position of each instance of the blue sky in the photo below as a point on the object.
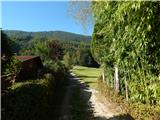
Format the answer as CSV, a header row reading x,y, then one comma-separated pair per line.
x,y
39,16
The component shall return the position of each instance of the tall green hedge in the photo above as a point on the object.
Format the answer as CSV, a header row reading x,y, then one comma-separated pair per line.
x,y
127,34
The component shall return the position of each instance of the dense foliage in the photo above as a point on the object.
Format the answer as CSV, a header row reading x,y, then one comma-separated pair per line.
x,y
53,45
68,60
80,56
6,47
55,50
78,51
26,40
127,35
136,110
34,99
9,64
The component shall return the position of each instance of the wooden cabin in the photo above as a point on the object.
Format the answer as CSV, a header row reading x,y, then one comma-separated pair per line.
x,y
30,67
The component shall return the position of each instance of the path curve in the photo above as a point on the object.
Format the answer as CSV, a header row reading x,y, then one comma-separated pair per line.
x,y
102,109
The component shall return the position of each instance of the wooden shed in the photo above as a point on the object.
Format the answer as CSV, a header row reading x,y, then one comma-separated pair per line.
x,y
30,67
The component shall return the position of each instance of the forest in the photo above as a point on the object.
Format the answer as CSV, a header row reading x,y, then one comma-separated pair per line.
x,y
120,61
26,40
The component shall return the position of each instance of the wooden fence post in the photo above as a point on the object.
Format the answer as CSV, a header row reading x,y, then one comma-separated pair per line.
x,y
126,88
116,79
103,76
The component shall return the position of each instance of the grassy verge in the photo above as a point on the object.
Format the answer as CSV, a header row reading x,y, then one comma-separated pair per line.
x,y
87,74
137,110
33,99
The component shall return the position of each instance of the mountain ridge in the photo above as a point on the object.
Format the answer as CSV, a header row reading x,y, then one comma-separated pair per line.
x,y
25,38
34,32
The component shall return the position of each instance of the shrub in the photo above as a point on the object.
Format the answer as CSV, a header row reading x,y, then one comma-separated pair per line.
x,y
32,99
26,101
13,67
137,110
68,60
126,34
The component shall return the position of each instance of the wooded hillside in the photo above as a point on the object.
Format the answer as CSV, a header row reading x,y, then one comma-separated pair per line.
x,y
26,39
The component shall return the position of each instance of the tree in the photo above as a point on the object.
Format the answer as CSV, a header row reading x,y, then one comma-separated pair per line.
x,y
40,49
68,60
9,63
6,50
6,46
55,50
84,58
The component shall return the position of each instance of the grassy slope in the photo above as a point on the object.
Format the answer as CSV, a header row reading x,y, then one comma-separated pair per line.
x,y
87,74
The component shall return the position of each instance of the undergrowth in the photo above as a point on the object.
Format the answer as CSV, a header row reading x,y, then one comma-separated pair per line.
x,y
34,99
137,110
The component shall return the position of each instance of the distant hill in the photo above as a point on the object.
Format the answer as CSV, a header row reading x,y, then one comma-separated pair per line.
x,y
58,35
25,39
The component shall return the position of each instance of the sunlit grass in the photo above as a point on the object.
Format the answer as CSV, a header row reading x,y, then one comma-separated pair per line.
x,y
19,84
87,74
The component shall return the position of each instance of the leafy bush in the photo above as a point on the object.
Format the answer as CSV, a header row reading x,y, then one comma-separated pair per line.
x,y
137,110
26,101
84,57
68,60
33,99
58,70
9,64
6,48
9,72
55,50
13,67
126,34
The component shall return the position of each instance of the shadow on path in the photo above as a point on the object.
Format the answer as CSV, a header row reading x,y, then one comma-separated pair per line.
x,y
77,105
120,117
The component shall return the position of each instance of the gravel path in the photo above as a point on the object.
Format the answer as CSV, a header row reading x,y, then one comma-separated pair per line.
x,y
66,105
101,108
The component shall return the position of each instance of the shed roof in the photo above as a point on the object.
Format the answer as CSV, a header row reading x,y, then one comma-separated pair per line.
x,y
24,58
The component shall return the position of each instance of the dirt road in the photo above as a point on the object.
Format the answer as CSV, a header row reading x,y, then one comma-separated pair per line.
x,y
100,107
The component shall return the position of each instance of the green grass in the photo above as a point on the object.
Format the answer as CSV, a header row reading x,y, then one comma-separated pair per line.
x,y
87,74
20,84
26,98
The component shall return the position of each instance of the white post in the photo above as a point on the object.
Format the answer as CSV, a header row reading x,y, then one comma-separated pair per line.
x,y
126,87
116,79
103,73
103,76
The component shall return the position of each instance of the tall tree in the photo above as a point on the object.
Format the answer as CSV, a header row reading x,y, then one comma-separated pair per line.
x,y
6,46
55,50
9,64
